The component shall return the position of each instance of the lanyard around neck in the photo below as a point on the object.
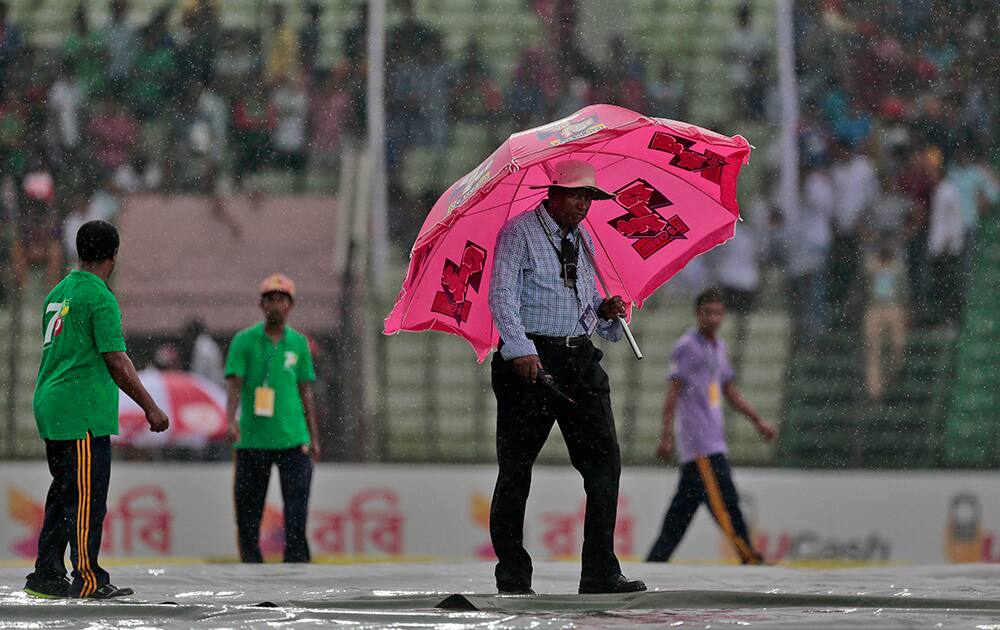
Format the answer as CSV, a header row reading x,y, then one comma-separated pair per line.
x,y
713,360
549,236
270,354
569,265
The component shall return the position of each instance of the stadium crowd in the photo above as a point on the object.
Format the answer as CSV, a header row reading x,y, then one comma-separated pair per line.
x,y
896,178
126,107
897,109
123,108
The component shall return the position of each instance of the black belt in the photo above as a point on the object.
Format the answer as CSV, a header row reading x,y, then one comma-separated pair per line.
x,y
565,342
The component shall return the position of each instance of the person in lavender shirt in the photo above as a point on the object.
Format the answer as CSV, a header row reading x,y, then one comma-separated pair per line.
x,y
700,376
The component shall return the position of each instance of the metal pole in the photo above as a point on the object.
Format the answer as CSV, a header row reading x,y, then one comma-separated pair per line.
x,y
373,193
432,407
375,113
789,98
382,408
604,285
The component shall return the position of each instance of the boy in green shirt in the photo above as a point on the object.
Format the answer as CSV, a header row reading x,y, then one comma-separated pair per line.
x,y
76,409
269,373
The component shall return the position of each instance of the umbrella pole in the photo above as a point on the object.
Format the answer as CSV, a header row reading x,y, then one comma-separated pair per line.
x,y
604,285
631,339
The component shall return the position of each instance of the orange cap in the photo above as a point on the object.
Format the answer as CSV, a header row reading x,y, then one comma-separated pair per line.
x,y
277,282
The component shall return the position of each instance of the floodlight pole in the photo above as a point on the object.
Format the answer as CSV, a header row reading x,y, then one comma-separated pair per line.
x,y
789,99
375,115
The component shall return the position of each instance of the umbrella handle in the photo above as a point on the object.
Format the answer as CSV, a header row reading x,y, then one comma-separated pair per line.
x,y
604,285
631,339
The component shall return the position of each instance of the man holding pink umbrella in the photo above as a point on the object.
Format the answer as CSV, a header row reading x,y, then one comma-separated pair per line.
x,y
492,233
545,303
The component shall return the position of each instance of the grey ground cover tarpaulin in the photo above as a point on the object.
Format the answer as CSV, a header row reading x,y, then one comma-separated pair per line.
x,y
460,595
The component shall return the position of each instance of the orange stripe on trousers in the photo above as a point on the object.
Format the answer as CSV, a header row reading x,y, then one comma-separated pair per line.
x,y
79,500
80,513
89,579
717,504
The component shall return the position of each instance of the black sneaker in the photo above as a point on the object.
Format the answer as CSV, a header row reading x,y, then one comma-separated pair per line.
x,y
616,584
108,591
48,588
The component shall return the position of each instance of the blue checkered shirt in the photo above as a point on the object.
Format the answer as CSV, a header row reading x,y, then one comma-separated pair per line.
x,y
527,296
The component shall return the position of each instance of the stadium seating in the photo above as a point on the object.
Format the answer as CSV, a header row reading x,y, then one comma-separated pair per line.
x,y
19,346
821,399
829,423
971,428
905,432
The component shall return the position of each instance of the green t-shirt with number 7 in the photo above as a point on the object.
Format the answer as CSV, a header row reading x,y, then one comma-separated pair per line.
x,y
74,392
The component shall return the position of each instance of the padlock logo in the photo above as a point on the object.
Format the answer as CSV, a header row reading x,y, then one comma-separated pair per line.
x,y
964,535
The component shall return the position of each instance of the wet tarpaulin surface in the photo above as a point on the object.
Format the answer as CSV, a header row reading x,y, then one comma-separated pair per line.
x,y
461,595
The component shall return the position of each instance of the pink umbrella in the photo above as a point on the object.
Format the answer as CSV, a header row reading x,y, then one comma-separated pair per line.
x,y
196,406
675,198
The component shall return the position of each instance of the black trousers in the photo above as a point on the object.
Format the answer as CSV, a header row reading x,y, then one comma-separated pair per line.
x,y
525,414
704,480
253,473
75,507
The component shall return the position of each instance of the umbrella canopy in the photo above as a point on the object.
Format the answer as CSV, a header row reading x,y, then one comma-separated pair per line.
x,y
674,188
196,406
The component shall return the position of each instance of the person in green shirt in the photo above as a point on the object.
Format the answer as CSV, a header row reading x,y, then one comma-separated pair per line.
x,y
76,409
85,49
272,420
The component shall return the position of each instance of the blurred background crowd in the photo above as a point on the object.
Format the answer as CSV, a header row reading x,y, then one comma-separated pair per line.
x,y
898,105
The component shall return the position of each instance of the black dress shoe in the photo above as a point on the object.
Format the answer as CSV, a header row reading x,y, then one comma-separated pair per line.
x,y
616,584
525,590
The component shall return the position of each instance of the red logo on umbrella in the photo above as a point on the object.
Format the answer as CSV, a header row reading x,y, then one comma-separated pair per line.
x,y
709,163
642,223
456,280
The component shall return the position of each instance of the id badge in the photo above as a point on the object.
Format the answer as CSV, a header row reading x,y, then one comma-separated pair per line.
x,y
714,395
589,320
263,402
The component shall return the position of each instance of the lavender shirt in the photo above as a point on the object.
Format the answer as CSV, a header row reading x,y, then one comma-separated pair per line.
x,y
703,368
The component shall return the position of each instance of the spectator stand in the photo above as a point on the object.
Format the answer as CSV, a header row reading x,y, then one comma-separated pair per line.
x,y
972,425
